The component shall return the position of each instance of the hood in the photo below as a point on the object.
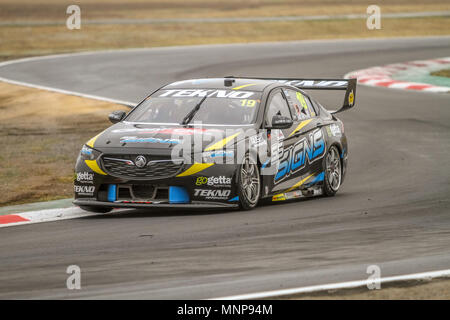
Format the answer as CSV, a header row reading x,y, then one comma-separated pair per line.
x,y
136,137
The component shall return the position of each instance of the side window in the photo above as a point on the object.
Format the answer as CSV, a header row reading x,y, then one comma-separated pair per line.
x,y
315,106
300,105
277,106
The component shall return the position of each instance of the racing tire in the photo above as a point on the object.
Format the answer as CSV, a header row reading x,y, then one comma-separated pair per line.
x,y
96,209
249,184
333,172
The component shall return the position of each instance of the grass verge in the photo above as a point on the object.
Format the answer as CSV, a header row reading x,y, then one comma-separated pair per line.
x,y
41,134
441,73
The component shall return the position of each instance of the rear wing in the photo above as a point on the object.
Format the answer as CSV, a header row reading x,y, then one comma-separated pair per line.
x,y
349,85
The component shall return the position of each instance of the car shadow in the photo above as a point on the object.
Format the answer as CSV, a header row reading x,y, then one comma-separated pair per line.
x,y
174,212
158,212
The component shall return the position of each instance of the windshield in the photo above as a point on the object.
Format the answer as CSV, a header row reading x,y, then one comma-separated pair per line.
x,y
226,107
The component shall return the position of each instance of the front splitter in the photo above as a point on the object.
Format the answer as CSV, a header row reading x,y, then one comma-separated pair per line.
x,y
192,205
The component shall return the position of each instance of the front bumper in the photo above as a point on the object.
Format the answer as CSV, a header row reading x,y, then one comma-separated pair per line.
x,y
94,186
192,205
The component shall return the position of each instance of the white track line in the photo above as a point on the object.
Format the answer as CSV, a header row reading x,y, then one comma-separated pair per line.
x,y
46,215
73,93
335,286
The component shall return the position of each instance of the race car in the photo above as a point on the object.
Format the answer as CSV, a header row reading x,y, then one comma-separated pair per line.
x,y
227,142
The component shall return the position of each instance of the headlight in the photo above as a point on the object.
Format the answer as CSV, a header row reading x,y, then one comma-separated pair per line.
x,y
87,153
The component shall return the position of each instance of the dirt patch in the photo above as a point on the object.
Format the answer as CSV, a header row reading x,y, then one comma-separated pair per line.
x,y
441,73
41,134
42,40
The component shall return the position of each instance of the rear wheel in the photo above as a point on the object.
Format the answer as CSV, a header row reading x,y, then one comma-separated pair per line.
x,y
96,209
333,172
249,184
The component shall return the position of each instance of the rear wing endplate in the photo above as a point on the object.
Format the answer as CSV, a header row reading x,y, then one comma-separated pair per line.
x,y
349,85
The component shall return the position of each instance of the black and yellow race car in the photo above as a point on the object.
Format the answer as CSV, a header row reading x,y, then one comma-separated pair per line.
x,y
222,142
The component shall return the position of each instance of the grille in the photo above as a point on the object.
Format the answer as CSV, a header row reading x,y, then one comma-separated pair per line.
x,y
156,168
147,192
143,191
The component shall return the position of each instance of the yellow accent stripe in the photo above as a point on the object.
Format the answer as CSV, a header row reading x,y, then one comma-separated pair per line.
x,y
298,184
94,167
91,142
221,143
279,197
300,126
245,86
196,167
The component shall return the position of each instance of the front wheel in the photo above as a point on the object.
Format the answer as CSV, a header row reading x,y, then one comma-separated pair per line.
x,y
249,184
333,172
96,209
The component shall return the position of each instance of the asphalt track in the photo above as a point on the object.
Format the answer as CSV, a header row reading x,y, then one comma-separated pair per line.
x,y
393,210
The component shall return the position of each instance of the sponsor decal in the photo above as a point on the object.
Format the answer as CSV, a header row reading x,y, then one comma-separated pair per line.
x,y
302,100
335,130
312,83
84,177
218,154
351,98
174,131
297,194
84,190
258,140
279,197
294,195
277,146
308,149
212,194
141,202
311,192
210,93
148,140
249,103
212,181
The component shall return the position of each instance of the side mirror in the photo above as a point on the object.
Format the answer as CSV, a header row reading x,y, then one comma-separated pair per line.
x,y
116,116
281,122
